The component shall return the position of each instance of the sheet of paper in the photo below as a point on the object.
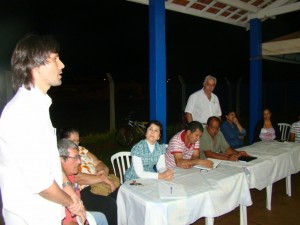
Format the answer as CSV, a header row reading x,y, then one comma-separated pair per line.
x,y
215,161
169,190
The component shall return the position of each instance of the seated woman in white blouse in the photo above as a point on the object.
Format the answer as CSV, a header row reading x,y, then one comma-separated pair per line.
x,y
266,129
148,156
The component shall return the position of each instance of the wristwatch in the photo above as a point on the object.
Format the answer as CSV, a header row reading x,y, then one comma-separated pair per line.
x,y
68,183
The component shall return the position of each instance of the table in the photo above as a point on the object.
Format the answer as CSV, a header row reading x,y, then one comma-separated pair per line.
x,y
275,161
209,194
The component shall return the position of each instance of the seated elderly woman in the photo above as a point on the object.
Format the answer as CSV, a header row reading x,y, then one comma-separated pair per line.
x,y
148,156
93,171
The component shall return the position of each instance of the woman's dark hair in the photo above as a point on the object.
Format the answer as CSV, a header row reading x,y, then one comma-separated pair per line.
x,y
66,132
266,108
159,124
30,52
193,126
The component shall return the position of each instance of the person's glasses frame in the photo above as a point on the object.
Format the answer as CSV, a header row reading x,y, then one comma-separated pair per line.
x,y
77,157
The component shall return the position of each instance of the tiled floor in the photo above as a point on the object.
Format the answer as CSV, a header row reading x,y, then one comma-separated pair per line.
x,y
285,210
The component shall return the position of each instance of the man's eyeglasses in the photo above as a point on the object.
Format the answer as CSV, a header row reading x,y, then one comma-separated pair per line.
x,y
76,141
77,157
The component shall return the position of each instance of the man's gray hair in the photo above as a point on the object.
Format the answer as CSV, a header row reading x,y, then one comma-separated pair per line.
x,y
210,77
64,144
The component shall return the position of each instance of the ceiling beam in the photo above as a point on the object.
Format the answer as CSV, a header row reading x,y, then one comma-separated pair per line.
x,y
240,5
145,2
281,59
198,13
281,47
269,12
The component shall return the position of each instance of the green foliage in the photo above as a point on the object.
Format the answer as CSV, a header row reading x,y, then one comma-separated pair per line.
x,y
103,145
101,138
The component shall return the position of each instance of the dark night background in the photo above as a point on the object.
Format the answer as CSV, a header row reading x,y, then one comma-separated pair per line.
x,y
102,37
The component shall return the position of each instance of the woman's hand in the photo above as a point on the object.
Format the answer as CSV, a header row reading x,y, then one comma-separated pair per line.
x,y
106,180
167,175
101,172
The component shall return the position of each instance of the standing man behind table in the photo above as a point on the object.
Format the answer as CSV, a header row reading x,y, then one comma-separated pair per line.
x,y
203,103
31,177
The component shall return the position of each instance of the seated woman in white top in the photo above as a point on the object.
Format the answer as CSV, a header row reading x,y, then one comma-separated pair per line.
x,y
266,129
148,156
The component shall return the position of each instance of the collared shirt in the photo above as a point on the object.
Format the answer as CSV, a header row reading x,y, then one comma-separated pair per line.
x,y
29,159
177,145
87,163
207,143
201,107
232,134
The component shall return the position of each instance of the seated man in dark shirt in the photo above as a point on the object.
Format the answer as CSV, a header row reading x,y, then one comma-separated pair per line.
x,y
233,131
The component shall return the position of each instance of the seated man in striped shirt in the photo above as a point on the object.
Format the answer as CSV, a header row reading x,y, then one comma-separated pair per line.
x,y
295,131
184,149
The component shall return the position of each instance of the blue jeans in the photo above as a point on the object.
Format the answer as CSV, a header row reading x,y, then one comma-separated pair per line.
x,y
99,218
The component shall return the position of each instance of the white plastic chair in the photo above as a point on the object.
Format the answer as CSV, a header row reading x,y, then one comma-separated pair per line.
x,y
89,218
122,160
285,133
285,130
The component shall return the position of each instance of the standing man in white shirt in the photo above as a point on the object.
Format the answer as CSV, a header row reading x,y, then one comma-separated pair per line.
x,y
203,103
34,188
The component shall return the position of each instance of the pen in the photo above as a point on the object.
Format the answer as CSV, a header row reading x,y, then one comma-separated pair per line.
x,y
171,189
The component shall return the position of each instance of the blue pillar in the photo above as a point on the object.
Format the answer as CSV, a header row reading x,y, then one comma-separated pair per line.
x,y
255,75
157,63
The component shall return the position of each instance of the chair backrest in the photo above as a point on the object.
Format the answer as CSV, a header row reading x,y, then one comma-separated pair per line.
x,y
122,160
285,130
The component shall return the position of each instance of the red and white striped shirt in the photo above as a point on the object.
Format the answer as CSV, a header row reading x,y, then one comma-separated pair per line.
x,y
177,145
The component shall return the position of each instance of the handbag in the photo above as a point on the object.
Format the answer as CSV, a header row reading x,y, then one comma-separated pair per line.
x,y
103,188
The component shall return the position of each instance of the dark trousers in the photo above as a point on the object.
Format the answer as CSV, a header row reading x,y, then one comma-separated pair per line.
x,y
105,204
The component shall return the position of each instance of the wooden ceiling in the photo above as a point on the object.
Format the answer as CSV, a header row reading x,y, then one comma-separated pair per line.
x,y
235,12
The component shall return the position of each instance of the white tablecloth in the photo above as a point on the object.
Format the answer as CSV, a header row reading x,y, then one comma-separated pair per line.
x,y
209,194
275,161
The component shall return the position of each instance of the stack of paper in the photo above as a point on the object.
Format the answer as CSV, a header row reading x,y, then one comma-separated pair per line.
x,y
168,190
215,161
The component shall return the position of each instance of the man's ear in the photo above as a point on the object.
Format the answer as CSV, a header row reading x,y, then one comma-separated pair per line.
x,y
35,72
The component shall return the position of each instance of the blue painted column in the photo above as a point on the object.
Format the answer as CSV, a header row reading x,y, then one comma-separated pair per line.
x,y
158,104
255,75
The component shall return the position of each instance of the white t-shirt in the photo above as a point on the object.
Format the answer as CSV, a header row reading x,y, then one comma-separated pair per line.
x,y
201,107
29,159
296,130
